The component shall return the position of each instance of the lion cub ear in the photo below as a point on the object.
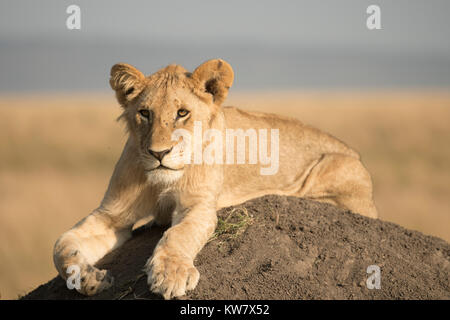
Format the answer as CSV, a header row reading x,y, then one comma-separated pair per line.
x,y
215,77
127,81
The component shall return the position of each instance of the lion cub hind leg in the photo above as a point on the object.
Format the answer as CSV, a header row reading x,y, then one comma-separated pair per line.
x,y
77,250
343,181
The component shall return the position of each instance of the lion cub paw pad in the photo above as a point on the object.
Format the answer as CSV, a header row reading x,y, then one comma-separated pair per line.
x,y
171,276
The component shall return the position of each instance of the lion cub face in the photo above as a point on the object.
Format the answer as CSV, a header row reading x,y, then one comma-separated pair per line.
x,y
157,106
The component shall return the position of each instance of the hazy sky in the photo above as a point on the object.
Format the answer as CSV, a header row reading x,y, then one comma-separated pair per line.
x,y
271,44
407,24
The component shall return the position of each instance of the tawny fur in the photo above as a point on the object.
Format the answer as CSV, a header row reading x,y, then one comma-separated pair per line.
x,y
312,164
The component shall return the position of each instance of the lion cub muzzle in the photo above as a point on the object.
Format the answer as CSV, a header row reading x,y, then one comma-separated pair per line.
x,y
159,155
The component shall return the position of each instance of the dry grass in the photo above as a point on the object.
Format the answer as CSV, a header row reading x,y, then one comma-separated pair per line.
x,y
233,224
57,155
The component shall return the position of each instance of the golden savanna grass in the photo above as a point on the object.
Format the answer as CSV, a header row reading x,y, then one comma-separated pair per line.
x,y
57,154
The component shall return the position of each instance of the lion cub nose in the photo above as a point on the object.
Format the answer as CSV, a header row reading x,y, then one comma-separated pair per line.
x,y
159,154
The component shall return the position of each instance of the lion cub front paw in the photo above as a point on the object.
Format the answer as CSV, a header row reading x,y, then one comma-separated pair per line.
x,y
171,275
93,280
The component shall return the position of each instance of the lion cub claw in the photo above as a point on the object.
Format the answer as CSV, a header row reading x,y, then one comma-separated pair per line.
x,y
171,275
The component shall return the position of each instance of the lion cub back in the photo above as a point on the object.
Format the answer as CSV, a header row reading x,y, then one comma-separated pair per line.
x,y
299,147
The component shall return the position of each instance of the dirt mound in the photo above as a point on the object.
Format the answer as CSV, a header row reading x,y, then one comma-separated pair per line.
x,y
289,248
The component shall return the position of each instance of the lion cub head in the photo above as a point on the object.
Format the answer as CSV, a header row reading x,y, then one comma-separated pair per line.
x,y
170,99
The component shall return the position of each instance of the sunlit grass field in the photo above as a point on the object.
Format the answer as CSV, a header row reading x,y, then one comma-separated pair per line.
x,y
57,153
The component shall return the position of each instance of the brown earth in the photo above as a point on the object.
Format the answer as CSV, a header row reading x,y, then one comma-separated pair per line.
x,y
289,248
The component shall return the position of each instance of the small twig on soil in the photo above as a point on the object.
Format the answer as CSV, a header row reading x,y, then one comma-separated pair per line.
x,y
131,288
125,293
138,278
139,298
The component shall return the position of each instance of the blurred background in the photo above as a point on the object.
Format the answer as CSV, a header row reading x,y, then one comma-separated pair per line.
x,y
385,92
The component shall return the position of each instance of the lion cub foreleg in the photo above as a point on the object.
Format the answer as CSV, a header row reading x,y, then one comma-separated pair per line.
x,y
171,270
83,245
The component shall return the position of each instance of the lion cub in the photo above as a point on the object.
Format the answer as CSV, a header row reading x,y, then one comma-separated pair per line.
x,y
181,164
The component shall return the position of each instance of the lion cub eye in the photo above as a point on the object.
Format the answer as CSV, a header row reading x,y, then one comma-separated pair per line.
x,y
182,113
145,113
